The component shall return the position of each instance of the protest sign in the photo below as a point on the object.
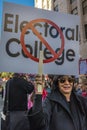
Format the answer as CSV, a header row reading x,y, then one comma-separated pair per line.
x,y
27,30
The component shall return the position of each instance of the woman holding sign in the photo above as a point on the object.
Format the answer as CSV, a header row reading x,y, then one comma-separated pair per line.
x,y
63,109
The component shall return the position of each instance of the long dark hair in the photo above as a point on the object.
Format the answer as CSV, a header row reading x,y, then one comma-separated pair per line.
x,y
55,81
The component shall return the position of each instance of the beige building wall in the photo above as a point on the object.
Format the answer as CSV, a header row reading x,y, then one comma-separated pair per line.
x,y
62,5
66,7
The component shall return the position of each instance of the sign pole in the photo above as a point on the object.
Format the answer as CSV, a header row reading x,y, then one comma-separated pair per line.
x,y
40,70
40,65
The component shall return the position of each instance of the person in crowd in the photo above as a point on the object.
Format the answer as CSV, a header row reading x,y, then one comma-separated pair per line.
x,y
48,83
31,100
63,109
78,88
17,90
84,90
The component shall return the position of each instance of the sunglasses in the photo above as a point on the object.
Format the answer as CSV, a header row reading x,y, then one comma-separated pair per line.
x,y
63,80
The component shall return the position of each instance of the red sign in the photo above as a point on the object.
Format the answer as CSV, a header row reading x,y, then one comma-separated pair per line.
x,y
30,25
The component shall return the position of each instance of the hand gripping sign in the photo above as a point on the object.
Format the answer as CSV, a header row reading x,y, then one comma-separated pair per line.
x,y
30,25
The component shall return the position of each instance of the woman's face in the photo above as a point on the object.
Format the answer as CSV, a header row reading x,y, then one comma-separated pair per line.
x,y
65,84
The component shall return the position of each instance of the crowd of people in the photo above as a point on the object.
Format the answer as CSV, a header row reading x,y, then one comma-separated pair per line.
x,y
60,102
17,90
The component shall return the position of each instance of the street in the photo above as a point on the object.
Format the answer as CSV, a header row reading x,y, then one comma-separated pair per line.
x,y
1,105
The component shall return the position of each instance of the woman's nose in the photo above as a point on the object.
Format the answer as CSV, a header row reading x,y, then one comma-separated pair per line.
x,y
66,81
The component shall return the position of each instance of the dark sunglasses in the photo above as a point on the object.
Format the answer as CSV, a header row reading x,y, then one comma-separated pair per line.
x,y
63,80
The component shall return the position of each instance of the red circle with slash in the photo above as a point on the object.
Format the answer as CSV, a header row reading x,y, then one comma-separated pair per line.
x,y
31,26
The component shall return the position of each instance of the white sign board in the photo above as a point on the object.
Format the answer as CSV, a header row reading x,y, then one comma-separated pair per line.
x,y
27,30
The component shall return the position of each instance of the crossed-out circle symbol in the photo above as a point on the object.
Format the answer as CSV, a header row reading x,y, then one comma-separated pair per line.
x,y
31,26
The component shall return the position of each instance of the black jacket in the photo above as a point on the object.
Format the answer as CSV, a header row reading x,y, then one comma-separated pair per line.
x,y
18,90
57,114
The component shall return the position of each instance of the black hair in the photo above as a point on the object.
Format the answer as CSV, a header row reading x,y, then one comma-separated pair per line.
x,y
55,80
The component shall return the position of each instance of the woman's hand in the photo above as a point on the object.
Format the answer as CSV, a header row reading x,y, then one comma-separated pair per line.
x,y
39,84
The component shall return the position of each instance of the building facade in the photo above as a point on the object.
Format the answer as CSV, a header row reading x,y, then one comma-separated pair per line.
x,y
75,7
43,4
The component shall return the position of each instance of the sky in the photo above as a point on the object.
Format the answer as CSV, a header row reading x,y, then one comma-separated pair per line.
x,y
22,2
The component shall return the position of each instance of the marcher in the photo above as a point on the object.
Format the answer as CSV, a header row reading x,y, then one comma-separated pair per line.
x,y
63,109
84,90
78,88
19,88
48,83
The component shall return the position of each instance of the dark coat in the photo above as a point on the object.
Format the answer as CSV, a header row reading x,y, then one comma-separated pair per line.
x,y
57,114
18,90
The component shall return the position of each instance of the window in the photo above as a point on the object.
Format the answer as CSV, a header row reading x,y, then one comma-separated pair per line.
x,y
85,30
54,0
71,1
74,11
84,6
56,8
